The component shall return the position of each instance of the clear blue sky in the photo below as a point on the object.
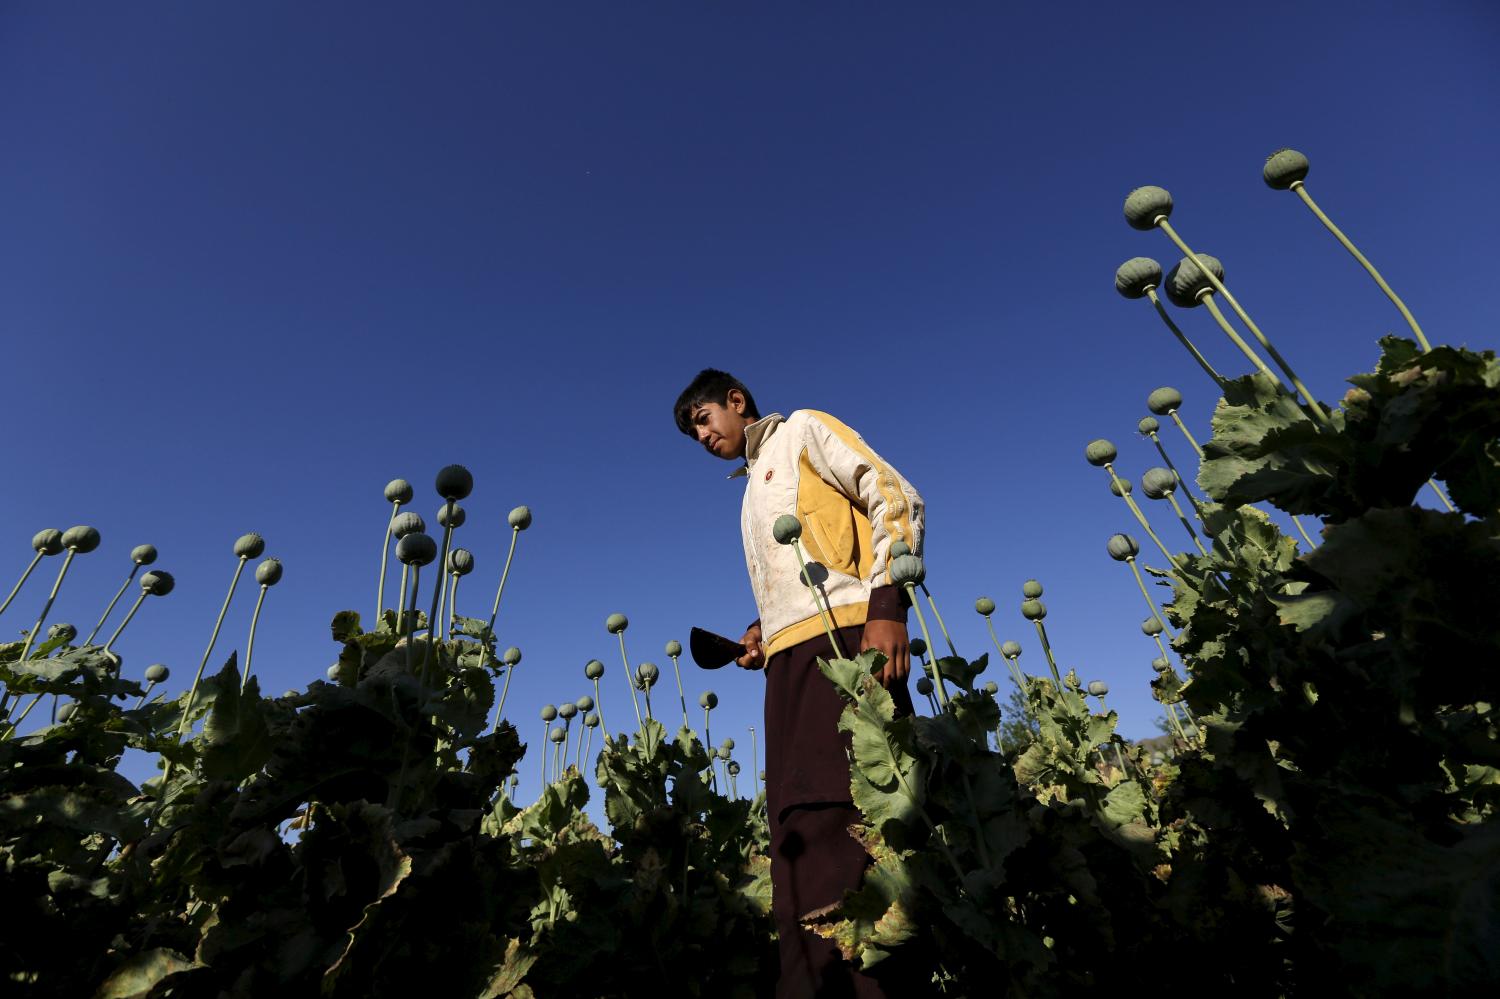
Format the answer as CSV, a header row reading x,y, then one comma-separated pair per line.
x,y
258,259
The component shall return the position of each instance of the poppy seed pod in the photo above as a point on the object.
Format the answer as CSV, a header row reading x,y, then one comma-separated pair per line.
x,y
1100,452
593,669
519,518
786,529
708,699
461,561
62,630
591,719
1145,206
584,703
511,656
1098,688
1120,486
408,523
1137,276
158,672
616,623
1122,547
1158,483
1186,282
899,548
648,673
48,542
549,712
1160,665
674,649
454,483
917,647
924,686
991,687
1148,425
143,554
398,491
416,549
66,711
907,571
81,539
1033,610
722,753
268,573
332,673
557,735
158,582
727,744
1151,626
455,519
1031,589
984,606
1284,168
567,710
1164,401
733,768
249,546
1010,650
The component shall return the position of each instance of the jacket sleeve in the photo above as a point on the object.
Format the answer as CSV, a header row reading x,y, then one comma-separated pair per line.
x,y
895,510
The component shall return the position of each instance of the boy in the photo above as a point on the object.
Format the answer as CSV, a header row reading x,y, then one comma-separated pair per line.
x,y
852,506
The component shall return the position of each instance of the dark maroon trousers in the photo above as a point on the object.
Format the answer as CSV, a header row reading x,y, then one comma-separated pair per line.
x,y
814,860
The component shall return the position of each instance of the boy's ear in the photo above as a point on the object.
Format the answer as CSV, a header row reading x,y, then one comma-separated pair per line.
x,y
735,399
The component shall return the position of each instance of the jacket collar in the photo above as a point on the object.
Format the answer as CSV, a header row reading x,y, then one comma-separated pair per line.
x,y
755,437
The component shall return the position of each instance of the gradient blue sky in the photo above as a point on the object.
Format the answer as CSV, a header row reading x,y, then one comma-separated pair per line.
x,y
258,259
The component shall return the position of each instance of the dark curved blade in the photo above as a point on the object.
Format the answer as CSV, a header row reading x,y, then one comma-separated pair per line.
x,y
712,651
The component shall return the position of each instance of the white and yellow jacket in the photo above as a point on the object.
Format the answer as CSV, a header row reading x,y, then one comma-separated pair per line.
x,y
852,506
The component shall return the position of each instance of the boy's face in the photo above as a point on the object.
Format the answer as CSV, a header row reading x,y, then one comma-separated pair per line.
x,y
721,428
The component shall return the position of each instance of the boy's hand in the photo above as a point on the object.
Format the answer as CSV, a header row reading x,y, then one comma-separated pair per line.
x,y
889,637
752,659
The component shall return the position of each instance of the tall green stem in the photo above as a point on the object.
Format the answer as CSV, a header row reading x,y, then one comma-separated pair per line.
x,y
401,621
1015,673
1338,234
599,707
1187,525
546,738
754,760
452,609
140,598
629,679
578,751
22,581
1207,299
433,631
500,704
1141,582
677,671
1197,449
708,744
504,574
937,673
47,607
118,594
823,615
250,644
1213,279
1182,339
182,725
385,557
1041,633
941,627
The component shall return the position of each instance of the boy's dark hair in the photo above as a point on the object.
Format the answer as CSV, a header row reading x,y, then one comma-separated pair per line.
x,y
711,385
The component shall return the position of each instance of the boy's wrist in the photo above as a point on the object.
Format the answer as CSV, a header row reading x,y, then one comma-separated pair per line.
x,y
887,603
